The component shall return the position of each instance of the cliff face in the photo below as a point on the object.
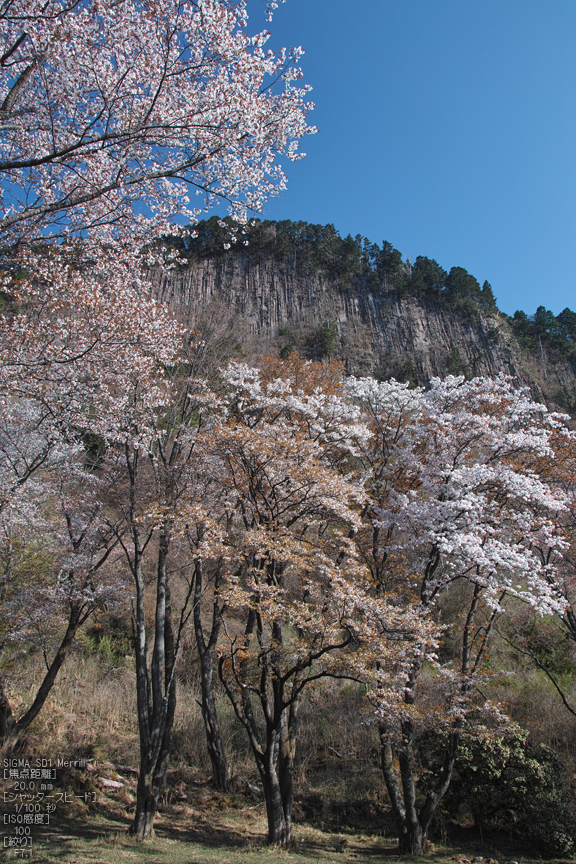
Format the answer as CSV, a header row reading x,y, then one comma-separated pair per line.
x,y
259,305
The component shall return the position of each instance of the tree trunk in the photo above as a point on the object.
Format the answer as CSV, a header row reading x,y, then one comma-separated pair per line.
x,y
150,783
215,745
279,826
277,774
286,757
413,836
412,841
11,731
146,806
279,820
412,824
220,769
394,792
6,716
275,757
156,693
411,833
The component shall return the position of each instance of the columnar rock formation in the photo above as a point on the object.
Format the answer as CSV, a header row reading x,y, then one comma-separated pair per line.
x,y
258,304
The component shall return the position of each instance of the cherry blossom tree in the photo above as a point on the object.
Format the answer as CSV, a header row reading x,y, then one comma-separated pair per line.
x,y
75,345
155,454
72,344
522,631
55,549
288,590
113,114
203,532
455,505
282,491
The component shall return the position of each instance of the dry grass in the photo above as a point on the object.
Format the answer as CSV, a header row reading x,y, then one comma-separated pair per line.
x,y
92,709
341,812
216,829
534,703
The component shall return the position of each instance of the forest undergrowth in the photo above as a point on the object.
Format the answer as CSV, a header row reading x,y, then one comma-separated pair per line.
x,y
341,810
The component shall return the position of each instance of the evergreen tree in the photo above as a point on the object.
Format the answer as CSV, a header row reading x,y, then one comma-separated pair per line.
x,y
428,277
566,324
389,260
487,298
461,284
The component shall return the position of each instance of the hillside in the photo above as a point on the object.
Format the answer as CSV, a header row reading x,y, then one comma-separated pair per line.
x,y
338,548
302,286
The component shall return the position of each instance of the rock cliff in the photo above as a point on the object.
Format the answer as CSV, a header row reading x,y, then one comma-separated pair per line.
x,y
253,305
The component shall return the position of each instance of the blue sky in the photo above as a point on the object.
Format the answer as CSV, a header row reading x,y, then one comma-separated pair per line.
x,y
446,128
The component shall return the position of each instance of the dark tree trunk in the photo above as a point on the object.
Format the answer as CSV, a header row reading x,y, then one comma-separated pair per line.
x,y
151,782
275,758
413,836
146,806
156,695
411,833
279,825
277,768
279,816
220,769
10,730
6,716
394,791
286,757
412,823
412,841
206,653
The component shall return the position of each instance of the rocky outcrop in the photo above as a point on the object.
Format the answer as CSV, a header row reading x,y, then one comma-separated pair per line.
x,y
261,305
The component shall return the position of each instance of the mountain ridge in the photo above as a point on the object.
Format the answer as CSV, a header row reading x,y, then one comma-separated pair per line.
x,y
361,304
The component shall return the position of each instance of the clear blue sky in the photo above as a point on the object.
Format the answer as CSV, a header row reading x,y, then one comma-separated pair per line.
x,y
448,128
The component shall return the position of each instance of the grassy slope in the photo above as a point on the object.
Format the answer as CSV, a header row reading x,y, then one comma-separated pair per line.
x,y
215,838
215,828
342,810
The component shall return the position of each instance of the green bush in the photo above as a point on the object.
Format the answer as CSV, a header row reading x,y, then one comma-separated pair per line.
x,y
499,775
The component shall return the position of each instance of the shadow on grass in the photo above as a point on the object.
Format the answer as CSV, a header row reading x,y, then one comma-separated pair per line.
x,y
234,835
184,839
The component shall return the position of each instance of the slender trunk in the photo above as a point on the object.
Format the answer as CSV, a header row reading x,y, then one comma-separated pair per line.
x,y
220,769
413,837
6,716
151,781
142,825
402,789
275,757
206,653
436,795
11,731
410,829
281,723
286,758
156,695
413,823
394,791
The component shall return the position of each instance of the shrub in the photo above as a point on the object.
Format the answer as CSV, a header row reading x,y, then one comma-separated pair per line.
x,y
499,775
